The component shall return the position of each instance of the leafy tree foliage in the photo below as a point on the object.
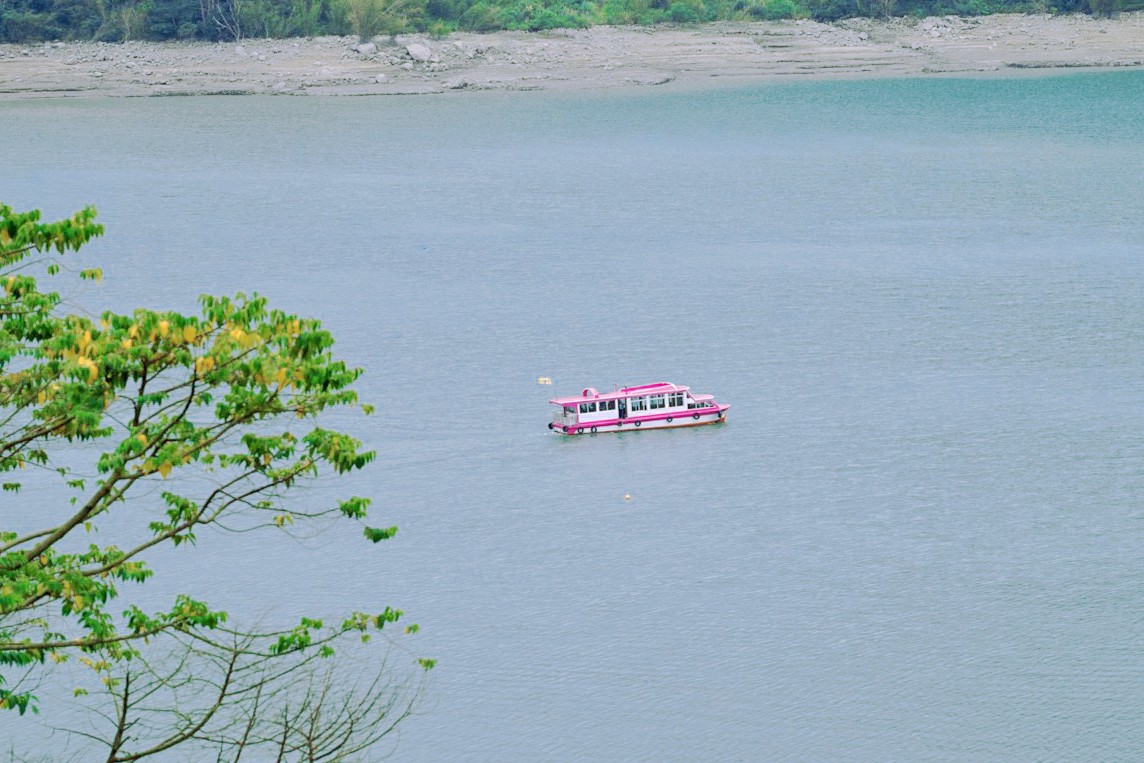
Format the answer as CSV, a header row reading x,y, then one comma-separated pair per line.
x,y
1104,8
114,20
160,425
369,18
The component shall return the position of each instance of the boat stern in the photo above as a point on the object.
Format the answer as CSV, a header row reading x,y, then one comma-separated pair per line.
x,y
564,419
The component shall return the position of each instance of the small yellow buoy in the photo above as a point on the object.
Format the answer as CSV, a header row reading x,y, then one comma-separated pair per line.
x,y
627,496
543,380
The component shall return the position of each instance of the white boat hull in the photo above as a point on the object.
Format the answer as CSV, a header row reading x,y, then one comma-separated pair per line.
x,y
692,418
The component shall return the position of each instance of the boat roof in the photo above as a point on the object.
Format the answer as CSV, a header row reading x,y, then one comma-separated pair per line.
x,y
655,388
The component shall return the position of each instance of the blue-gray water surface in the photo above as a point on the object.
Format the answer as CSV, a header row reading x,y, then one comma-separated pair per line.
x,y
918,537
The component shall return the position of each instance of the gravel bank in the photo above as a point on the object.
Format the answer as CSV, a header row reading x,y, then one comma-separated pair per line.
x,y
598,58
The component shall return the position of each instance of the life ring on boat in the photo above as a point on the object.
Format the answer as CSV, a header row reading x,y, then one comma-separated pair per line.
x,y
593,430
550,425
567,429
695,416
638,423
669,419
580,430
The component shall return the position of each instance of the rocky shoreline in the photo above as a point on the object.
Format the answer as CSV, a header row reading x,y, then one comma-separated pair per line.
x,y
589,59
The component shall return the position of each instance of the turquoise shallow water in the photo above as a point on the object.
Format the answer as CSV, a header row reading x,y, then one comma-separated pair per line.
x,y
918,536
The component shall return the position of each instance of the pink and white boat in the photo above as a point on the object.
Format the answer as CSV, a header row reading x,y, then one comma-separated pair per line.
x,y
651,406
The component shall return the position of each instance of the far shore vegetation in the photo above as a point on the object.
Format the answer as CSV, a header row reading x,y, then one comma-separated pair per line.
x,y
25,21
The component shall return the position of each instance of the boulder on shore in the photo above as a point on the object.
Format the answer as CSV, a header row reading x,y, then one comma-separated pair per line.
x,y
418,52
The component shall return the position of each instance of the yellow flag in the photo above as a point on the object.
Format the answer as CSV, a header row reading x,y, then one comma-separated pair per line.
x,y
543,380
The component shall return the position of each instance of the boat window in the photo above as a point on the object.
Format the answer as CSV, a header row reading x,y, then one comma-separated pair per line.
x,y
569,409
639,404
587,407
656,401
607,405
675,399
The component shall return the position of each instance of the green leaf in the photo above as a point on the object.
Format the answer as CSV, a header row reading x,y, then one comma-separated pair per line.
x,y
377,534
354,508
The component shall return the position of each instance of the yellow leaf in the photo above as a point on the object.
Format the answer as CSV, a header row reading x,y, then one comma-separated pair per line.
x,y
141,437
89,364
189,333
280,377
165,469
164,328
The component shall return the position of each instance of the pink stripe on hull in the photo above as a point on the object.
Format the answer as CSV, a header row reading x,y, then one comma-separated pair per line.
x,y
695,415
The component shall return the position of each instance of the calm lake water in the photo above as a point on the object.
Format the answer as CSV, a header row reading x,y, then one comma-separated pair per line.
x,y
918,537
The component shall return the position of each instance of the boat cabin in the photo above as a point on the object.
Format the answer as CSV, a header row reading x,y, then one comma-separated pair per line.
x,y
659,400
